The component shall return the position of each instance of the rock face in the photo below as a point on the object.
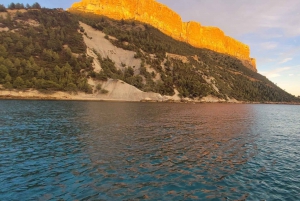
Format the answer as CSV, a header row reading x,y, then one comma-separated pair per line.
x,y
170,23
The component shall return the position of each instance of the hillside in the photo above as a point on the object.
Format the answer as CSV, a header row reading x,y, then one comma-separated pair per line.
x,y
86,56
169,22
42,49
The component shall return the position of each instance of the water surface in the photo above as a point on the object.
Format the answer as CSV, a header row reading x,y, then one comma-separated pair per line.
x,y
64,150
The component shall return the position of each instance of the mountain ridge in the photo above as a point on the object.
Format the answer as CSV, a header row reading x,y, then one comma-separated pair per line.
x,y
170,23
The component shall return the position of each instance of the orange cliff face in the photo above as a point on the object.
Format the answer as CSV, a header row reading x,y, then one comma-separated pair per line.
x,y
170,23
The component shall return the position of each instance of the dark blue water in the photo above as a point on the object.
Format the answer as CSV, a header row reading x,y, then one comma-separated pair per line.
x,y
56,150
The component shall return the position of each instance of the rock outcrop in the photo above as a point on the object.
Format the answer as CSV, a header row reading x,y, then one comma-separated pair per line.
x,y
170,23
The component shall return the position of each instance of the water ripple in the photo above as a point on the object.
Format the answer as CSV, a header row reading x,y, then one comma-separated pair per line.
x,y
52,150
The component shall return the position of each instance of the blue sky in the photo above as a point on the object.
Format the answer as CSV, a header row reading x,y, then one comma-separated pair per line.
x,y
271,28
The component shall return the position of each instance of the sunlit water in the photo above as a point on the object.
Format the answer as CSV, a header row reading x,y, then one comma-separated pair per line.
x,y
56,150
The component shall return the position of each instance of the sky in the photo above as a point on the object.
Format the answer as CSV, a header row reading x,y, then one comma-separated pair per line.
x,y
270,27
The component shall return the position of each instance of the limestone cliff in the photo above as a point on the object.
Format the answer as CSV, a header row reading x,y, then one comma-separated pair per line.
x,y
170,23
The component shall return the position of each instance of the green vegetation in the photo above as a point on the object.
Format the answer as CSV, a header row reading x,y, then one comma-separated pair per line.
x,y
44,50
110,71
17,6
230,76
49,55
2,8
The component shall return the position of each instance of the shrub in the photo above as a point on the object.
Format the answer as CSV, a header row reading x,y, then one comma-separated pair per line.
x,y
104,91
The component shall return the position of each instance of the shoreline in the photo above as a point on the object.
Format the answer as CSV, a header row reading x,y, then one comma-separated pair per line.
x,y
71,97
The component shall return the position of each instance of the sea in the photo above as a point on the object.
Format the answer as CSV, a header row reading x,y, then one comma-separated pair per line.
x,y
83,150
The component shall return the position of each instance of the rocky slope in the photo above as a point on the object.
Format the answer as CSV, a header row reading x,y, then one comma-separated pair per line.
x,y
53,54
170,23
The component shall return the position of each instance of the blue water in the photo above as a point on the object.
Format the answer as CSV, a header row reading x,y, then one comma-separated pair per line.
x,y
63,150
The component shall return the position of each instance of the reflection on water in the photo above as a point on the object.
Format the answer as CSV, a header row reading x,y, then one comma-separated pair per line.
x,y
170,151
124,151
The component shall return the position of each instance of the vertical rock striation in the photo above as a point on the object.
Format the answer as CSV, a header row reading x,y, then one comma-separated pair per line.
x,y
170,23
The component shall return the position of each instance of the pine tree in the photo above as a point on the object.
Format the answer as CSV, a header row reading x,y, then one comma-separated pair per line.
x,y
3,73
12,6
2,8
19,83
8,78
19,46
36,5
3,51
41,73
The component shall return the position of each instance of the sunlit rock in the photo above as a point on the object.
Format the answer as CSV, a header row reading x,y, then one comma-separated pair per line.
x,y
170,23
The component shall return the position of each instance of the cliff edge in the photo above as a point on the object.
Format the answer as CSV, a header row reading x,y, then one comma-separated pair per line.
x,y
170,23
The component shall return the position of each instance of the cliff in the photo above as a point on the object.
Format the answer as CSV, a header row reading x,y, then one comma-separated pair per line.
x,y
170,23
